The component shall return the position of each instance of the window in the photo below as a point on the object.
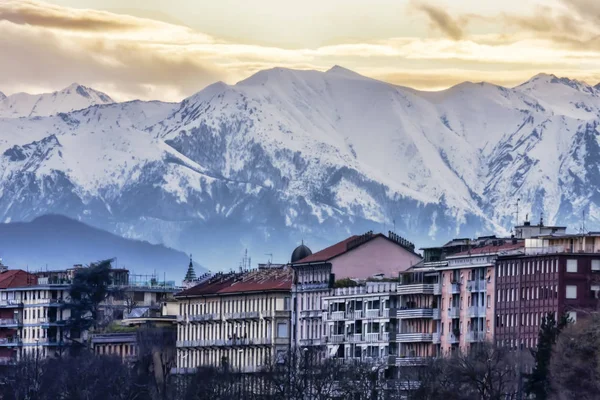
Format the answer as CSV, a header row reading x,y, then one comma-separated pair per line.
x,y
571,265
572,315
571,292
282,330
489,301
595,265
286,303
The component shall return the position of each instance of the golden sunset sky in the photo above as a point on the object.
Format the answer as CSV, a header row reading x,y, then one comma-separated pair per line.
x,y
170,49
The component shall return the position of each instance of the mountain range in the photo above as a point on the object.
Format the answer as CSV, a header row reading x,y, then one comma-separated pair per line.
x,y
287,155
58,242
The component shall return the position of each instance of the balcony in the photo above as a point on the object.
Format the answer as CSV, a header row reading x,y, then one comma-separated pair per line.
x,y
10,323
239,342
48,322
453,338
454,312
417,288
354,315
373,313
372,337
336,316
311,314
310,342
476,337
414,337
437,314
9,342
8,360
456,287
355,337
408,313
477,312
437,338
476,285
336,339
11,303
243,315
403,361
437,288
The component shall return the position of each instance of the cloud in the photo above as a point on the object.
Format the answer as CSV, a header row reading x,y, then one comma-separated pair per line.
x,y
129,57
441,20
47,15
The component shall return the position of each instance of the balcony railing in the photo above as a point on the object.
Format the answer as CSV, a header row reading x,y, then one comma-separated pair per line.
x,y
243,315
310,342
311,313
416,288
403,361
452,338
414,337
8,342
476,336
336,338
372,337
336,316
477,312
476,285
231,342
10,322
11,303
437,314
455,287
437,338
414,313
454,312
373,313
437,288
358,314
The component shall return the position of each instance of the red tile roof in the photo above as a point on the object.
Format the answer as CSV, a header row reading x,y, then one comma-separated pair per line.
x,y
16,278
271,279
489,249
343,247
328,253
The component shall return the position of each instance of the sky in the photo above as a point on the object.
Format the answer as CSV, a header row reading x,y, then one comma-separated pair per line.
x,y
168,50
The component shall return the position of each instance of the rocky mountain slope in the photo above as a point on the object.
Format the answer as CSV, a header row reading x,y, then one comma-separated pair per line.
x,y
285,155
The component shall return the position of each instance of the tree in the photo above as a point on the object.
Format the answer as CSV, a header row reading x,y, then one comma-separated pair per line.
x,y
574,370
156,357
90,287
538,382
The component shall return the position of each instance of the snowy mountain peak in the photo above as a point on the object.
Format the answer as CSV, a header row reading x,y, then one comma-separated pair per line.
x,y
74,97
345,72
551,79
2,96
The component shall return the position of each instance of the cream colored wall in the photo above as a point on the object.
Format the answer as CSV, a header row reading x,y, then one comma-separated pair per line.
x,y
232,321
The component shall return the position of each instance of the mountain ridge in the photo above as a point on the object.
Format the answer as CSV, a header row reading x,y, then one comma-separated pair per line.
x,y
286,154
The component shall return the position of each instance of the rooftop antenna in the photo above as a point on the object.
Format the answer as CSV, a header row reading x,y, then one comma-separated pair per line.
x,y
542,218
583,222
518,200
394,221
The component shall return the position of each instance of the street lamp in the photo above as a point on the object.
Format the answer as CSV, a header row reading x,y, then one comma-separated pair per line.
x,y
305,351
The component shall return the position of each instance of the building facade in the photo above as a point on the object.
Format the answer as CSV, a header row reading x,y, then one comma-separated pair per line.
x,y
357,257
555,274
237,320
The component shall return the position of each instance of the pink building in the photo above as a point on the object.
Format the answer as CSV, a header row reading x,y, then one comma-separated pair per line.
x,y
358,257
467,297
365,256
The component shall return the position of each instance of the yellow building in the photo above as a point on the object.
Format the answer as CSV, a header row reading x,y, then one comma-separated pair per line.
x,y
238,320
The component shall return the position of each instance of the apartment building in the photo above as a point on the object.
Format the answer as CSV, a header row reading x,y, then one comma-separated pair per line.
x,y
238,320
557,273
358,257
33,317
468,294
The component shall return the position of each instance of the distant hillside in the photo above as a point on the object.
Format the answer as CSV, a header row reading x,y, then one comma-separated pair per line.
x,y
58,242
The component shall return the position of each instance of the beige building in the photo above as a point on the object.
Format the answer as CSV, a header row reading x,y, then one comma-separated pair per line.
x,y
238,320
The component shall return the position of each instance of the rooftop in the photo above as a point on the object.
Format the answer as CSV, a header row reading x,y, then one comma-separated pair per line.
x,y
16,278
258,280
490,249
352,243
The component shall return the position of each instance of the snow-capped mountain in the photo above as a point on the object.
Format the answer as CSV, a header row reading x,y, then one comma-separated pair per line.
x,y
285,155
74,97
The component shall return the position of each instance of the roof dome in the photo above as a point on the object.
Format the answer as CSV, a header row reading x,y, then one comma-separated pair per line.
x,y
300,252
